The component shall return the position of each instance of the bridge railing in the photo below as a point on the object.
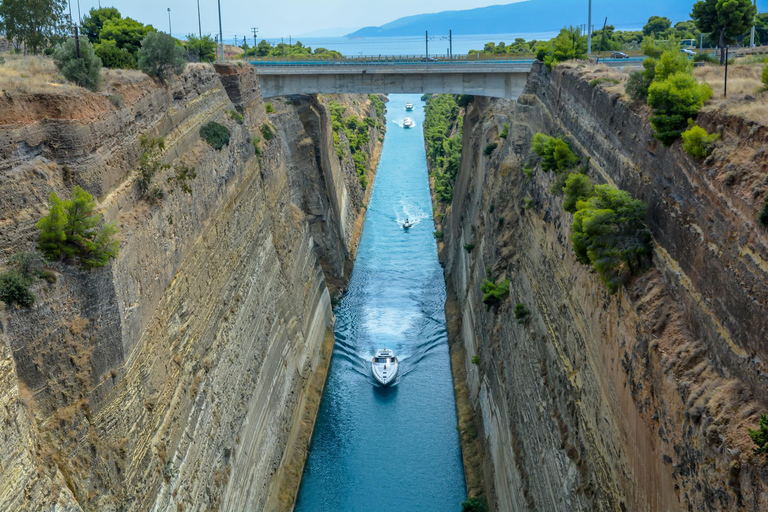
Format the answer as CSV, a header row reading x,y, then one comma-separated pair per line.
x,y
391,59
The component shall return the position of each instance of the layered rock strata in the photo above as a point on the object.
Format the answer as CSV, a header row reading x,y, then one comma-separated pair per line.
x,y
187,373
633,401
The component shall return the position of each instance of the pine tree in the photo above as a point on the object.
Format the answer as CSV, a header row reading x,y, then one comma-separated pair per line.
x,y
52,229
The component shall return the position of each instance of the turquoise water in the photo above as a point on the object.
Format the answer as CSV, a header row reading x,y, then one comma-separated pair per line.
x,y
397,448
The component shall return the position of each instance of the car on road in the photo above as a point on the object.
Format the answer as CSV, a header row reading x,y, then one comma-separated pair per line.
x,y
428,59
619,55
688,52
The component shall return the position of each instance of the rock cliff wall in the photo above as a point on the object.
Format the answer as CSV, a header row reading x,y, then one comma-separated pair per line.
x,y
636,401
187,373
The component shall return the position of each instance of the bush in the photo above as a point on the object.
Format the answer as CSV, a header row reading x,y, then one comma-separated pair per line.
x,y
113,57
469,248
159,56
267,133
763,217
608,232
490,148
603,80
577,188
236,116
637,86
555,153
71,230
150,162
674,101
672,62
443,128
705,57
378,105
269,108
182,175
493,293
760,436
14,288
215,134
438,235
697,142
505,131
85,71
765,76
474,505
476,360
522,314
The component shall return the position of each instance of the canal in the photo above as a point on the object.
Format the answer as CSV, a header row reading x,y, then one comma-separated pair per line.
x,y
396,448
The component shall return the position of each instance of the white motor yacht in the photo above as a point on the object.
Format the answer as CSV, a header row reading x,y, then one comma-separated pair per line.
x,y
409,106
384,366
408,122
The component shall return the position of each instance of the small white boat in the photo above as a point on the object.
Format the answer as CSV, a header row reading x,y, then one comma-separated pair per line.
x,y
407,224
409,106
384,366
408,122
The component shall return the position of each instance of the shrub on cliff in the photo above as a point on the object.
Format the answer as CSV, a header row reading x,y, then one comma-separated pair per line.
x,y
159,56
637,85
504,131
474,504
215,134
14,288
763,217
493,292
85,70
697,142
760,436
378,105
674,101
522,313
577,188
71,230
443,126
608,232
490,148
555,153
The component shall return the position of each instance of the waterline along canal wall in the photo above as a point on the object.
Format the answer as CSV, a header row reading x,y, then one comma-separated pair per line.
x,y
633,401
187,373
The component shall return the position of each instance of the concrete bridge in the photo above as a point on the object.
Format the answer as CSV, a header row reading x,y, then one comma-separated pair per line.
x,y
500,79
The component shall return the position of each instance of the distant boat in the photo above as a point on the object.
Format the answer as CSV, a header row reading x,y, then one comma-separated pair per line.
x,y
407,123
409,106
384,366
407,224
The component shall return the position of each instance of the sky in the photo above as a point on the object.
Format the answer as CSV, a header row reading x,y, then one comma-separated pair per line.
x,y
275,18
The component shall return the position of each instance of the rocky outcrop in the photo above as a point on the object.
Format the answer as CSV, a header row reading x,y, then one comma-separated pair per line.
x,y
636,401
187,373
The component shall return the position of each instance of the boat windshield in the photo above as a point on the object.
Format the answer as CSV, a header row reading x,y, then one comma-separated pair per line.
x,y
381,359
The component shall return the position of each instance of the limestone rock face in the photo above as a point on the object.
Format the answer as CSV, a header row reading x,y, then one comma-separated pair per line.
x,y
187,373
633,401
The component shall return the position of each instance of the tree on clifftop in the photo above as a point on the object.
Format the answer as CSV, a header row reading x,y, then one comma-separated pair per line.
x,y
32,24
159,56
94,21
723,20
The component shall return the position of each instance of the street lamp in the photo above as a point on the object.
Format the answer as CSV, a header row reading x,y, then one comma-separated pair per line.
x,y
170,29
221,34
589,30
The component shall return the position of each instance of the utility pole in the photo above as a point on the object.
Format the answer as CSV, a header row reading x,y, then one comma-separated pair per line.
x,y
701,41
426,39
290,40
77,42
752,32
254,30
200,30
221,34
170,27
450,45
589,30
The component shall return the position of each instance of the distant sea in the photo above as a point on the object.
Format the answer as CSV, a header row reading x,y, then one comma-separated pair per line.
x,y
438,43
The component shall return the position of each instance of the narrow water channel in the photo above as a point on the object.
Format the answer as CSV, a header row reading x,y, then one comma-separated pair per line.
x,y
396,448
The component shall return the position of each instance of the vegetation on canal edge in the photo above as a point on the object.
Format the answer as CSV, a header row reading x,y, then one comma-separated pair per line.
x,y
357,133
608,230
215,134
493,293
443,125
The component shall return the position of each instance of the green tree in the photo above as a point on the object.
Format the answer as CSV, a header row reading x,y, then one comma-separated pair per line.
x,y
474,504
203,49
569,44
84,235
95,19
608,232
723,20
577,188
656,25
85,71
113,57
32,24
159,56
674,101
52,226
671,62
697,142
14,288
263,49
127,33
555,153
760,436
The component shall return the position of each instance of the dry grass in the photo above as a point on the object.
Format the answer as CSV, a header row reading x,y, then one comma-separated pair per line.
x,y
743,80
31,74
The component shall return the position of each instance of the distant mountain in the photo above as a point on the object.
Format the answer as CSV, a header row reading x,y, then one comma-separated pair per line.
x,y
533,16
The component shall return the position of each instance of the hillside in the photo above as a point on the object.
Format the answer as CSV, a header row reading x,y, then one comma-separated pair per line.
x,y
531,16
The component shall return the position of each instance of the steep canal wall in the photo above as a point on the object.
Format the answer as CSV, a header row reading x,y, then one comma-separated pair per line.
x,y
635,401
186,374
